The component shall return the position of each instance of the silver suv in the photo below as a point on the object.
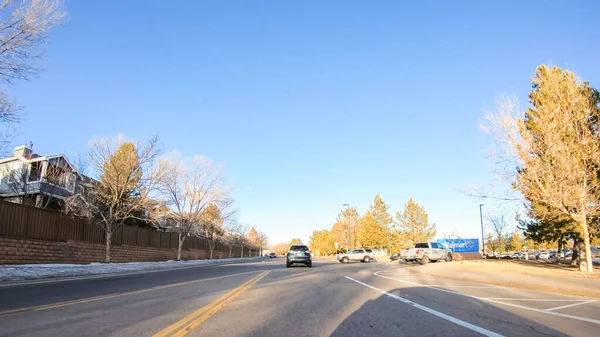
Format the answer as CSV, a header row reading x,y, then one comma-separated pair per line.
x,y
362,255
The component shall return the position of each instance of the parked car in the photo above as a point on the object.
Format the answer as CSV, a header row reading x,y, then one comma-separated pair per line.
x,y
272,256
425,252
518,256
395,257
362,255
552,254
544,255
298,254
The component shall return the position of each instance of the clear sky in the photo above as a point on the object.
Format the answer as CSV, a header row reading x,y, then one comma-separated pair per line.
x,y
312,104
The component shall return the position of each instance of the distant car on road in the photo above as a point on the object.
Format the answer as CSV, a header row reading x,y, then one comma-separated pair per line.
x,y
395,257
425,252
362,255
272,255
299,254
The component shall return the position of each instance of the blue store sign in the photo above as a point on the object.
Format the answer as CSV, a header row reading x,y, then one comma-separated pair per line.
x,y
461,245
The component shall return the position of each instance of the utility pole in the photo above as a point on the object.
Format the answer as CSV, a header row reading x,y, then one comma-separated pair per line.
x,y
482,234
348,224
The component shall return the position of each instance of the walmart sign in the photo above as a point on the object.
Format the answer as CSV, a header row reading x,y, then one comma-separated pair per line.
x,y
461,245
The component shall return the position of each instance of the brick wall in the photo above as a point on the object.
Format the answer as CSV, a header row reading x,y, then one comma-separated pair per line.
x,y
23,251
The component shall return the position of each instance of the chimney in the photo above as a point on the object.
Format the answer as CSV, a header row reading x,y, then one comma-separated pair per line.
x,y
23,151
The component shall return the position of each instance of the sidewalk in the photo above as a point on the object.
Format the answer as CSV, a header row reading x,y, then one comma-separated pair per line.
x,y
42,271
533,275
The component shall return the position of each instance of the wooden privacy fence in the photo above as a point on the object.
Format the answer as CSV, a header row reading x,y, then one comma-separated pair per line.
x,y
21,221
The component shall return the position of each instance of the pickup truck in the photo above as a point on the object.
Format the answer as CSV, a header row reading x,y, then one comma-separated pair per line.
x,y
425,252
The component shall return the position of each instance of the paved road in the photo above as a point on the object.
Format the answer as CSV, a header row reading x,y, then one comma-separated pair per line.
x,y
267,299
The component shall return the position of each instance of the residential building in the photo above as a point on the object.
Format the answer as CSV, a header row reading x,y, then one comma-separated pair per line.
x,y
43,181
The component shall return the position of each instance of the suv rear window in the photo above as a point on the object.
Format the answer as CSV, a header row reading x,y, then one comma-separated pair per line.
x,y
368,250
422,245
298,248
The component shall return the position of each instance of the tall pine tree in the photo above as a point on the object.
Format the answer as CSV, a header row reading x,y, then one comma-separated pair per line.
x,y
413,223
374,226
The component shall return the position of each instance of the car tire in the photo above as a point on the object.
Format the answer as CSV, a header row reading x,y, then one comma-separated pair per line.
x,y
309,265
367,259
425,259
449,257
345,259
287,265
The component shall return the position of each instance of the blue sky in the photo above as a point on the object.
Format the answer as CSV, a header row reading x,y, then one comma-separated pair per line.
x,y
312,104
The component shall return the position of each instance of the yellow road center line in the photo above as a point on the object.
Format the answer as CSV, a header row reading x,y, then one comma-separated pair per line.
x,y
194,314
105,297
194,324
193,320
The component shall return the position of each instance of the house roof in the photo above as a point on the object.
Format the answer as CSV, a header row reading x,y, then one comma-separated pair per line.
x,y
9,159
40,158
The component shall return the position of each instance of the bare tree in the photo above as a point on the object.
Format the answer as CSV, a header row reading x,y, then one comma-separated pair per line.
x,y
189,191
263,240
499,223
235,234
126,175
555,146
81,163
24,27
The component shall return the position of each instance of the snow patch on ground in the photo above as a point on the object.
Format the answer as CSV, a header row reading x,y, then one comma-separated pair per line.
x,y
38,271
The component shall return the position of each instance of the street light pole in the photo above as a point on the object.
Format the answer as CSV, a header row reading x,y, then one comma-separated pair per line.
x,y
348,224
482,234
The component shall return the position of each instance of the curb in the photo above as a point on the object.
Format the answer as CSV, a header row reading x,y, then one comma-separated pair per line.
x,y
593,293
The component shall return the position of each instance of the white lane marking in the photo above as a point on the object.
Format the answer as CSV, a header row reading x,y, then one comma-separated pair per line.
x,y
476,287
579,318
415,278
457,321
569,305
411,277
526,299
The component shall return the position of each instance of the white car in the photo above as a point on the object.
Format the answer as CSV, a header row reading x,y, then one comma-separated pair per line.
x,y
362,255
544,255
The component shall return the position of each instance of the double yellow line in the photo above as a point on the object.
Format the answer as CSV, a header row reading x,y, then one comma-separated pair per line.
x,y
193,320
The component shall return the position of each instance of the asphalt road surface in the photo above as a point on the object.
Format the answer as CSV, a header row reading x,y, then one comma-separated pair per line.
x,y
267,299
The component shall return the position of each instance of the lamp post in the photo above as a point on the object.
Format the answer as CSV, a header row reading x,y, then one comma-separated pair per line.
x,y
348,224
482,234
